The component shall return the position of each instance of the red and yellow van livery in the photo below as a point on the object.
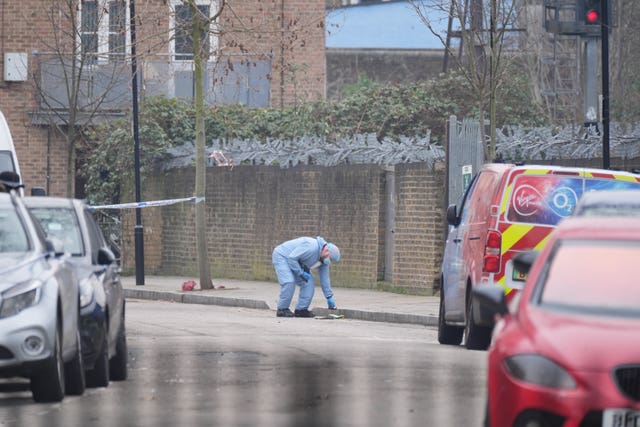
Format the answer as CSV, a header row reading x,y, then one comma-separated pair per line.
x,y
535,200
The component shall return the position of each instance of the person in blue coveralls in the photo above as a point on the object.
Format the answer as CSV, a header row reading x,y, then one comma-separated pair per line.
x,y
293,261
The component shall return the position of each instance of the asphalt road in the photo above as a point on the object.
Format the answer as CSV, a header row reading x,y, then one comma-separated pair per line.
x,y
197,365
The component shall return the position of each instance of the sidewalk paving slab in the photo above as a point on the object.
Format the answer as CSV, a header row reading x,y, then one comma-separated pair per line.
x,y
360,304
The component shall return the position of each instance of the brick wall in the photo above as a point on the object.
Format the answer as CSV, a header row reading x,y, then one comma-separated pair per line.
x,y
291,33
295,44
42,154
419,236
251,209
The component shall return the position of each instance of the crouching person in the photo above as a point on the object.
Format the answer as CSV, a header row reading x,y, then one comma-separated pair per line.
x,y
293,261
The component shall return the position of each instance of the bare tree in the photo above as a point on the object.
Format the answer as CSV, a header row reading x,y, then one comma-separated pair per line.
x,y
81,78
238,34
482,32
202,26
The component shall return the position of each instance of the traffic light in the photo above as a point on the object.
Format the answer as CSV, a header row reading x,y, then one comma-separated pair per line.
x,y
592,11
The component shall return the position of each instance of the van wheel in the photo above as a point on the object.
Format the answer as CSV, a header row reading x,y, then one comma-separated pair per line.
x,y
476,337
450,335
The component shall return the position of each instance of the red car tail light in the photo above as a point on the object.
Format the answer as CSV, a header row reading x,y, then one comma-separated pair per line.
x,y
492,252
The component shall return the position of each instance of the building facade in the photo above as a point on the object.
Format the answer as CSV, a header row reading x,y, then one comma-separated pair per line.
x,y
66,66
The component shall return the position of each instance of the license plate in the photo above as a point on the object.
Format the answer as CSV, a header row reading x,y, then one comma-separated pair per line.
x,y
621,418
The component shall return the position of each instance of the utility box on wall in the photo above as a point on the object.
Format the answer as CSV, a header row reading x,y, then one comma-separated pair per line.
x,y
15,67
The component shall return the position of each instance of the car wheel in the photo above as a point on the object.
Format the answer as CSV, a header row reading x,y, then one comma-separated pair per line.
x,y
48,384
476,337
118,363
450,335
99,375
74,378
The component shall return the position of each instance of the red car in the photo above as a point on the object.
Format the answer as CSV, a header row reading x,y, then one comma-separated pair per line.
x,y
567,352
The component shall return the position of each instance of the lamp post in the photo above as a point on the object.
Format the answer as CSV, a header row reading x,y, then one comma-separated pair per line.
x,y
604,27
138,230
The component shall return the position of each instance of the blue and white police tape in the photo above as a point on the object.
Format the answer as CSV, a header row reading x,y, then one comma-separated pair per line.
x,y
136,205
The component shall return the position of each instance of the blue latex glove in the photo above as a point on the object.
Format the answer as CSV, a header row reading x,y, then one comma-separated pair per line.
x,y
331,303
306,276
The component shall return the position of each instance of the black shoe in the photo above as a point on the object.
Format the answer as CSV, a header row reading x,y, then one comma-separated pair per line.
x,y
304,313
284,312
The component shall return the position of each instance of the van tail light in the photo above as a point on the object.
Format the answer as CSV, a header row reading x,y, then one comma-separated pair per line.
x,y
492,252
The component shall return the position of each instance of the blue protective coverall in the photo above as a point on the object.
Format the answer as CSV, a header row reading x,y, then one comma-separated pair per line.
x,y
288,260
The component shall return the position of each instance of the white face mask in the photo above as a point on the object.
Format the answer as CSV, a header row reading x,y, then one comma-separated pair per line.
x,y
326,261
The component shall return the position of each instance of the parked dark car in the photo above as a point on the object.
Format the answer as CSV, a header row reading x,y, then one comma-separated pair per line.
x,y
103,310
39,307
566,352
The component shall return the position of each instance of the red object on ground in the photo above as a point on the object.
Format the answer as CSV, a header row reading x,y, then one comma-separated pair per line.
x,y
189,285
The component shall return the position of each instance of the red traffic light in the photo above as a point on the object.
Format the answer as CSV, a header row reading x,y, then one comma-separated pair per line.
x,y
592,17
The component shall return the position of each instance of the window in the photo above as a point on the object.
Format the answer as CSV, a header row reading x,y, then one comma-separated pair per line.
x,y
96,240
103,29
543,199
597,276
62,224
183,42
13,237
6,162
117,28
89,29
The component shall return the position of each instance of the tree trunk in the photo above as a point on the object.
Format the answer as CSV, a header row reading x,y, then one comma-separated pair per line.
x,y
199,56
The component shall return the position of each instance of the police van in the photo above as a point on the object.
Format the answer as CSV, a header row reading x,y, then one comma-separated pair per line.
x,y
507,209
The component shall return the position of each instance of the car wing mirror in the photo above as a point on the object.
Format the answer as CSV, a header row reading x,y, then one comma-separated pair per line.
x,y
105,256
55,246
524,260
452,215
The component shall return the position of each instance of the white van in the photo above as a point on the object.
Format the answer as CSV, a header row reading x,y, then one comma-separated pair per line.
x,y
8,158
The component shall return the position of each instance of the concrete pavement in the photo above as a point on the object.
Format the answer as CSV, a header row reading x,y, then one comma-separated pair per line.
x,y
361,304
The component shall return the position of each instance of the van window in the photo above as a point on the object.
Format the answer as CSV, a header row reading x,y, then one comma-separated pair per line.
x,y
6,162
543,199
593,184
546,199
464,201
483,196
